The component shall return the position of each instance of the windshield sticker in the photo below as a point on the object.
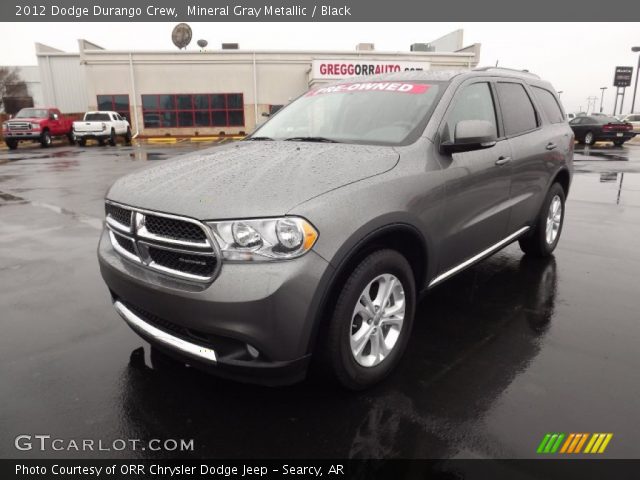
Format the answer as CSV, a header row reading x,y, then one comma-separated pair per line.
x,y
397,87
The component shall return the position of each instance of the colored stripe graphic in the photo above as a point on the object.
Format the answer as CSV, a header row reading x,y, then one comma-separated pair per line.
x,y
572,443
550,443
543,443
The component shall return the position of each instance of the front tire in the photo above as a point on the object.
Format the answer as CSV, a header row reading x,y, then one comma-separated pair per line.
x,y
45,139
128,136
542,241
112,138
12,144
372,320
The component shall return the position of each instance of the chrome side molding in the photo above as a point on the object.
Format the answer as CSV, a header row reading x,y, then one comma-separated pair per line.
x,y
467,263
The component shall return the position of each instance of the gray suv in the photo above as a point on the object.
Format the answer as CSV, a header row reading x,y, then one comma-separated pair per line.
x,y
319,233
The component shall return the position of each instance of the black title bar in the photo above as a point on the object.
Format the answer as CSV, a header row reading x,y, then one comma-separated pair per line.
x,y
306,11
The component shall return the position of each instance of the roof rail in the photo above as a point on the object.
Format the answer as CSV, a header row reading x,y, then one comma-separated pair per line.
x,y
524,72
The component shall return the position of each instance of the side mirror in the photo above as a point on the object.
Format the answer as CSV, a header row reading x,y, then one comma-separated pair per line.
x,y
471,135
266,114
53,116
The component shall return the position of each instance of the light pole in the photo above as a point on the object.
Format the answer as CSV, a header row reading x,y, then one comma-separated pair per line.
x,y
602,89
633,102
560,92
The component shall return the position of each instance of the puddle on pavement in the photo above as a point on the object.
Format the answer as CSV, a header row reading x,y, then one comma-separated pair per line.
x,y
144,155
11,199
618,188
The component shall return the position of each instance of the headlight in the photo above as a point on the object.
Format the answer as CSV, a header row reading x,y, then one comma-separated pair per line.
x,y
5,126
35,126
264,239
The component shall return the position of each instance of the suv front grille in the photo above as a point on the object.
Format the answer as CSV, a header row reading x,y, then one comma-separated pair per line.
x,y
201,265
175,229
119,214
173,245
126,244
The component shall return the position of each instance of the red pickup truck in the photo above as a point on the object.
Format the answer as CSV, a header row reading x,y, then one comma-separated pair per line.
x,y
38,125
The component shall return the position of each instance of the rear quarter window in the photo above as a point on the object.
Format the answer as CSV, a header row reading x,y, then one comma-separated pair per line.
x,y
518,112
549,104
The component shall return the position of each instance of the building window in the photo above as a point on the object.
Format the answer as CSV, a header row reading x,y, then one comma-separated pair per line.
x,y
115,103
200,110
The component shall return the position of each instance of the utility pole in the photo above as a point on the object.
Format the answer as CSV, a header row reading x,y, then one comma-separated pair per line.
x,y
635,89
602,89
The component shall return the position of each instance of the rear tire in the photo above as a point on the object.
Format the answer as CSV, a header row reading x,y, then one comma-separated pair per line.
x,y
618,143
589,138
71,138
12,144
101,142
127,136
112,138
45,139
82,142
367,334
544,237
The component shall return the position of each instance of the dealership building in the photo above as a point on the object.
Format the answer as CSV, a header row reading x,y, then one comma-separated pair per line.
x,y
209,92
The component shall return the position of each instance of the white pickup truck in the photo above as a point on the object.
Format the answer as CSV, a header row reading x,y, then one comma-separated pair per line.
x,y
101,126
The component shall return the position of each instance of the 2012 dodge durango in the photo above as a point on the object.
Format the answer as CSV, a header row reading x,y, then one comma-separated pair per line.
x,y
318,234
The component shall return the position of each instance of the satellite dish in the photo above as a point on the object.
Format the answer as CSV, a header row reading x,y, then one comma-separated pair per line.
x,y
181,35
202,43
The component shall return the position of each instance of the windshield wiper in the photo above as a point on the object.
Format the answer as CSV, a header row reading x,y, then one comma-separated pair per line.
x,y
311,139
258,139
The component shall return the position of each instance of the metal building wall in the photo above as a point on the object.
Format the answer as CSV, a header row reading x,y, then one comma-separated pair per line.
x,y
63,82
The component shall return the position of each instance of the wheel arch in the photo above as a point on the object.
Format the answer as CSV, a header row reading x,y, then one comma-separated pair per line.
x,y
401,236
563,177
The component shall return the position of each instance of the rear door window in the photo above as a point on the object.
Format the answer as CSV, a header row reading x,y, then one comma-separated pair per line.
x,y
518,112
549,104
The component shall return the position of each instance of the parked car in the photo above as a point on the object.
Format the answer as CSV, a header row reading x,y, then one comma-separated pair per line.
x,y
593,128
633,119
102,126
36,125
320,232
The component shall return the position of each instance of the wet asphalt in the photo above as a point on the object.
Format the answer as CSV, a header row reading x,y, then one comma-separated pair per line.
x,y
503,353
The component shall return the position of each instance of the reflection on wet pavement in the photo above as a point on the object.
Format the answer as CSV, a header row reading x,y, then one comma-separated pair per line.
x,y
508,350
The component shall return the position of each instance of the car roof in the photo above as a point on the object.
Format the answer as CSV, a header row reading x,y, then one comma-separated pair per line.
x,y
101,111
448,75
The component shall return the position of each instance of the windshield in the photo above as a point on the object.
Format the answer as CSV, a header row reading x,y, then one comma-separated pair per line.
x,y
97,117
32,113
377,113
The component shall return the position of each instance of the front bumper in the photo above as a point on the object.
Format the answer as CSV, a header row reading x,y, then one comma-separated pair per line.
x,y
24,135
268,309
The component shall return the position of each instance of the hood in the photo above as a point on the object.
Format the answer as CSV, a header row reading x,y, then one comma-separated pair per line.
x,y
250,179
29,119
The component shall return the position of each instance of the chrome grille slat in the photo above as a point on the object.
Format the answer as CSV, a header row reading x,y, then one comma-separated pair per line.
x,y
194,257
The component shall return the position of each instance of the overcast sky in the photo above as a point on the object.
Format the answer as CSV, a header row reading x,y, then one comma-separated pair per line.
x,y
578,58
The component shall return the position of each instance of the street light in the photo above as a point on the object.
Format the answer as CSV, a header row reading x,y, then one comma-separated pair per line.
x,y
633,102
602,97
560,92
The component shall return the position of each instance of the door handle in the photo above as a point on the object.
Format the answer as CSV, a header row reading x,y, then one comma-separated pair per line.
x,y
551,146
503,160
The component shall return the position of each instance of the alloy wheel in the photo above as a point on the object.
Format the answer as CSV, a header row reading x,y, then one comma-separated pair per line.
x,y
377,319
554,219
